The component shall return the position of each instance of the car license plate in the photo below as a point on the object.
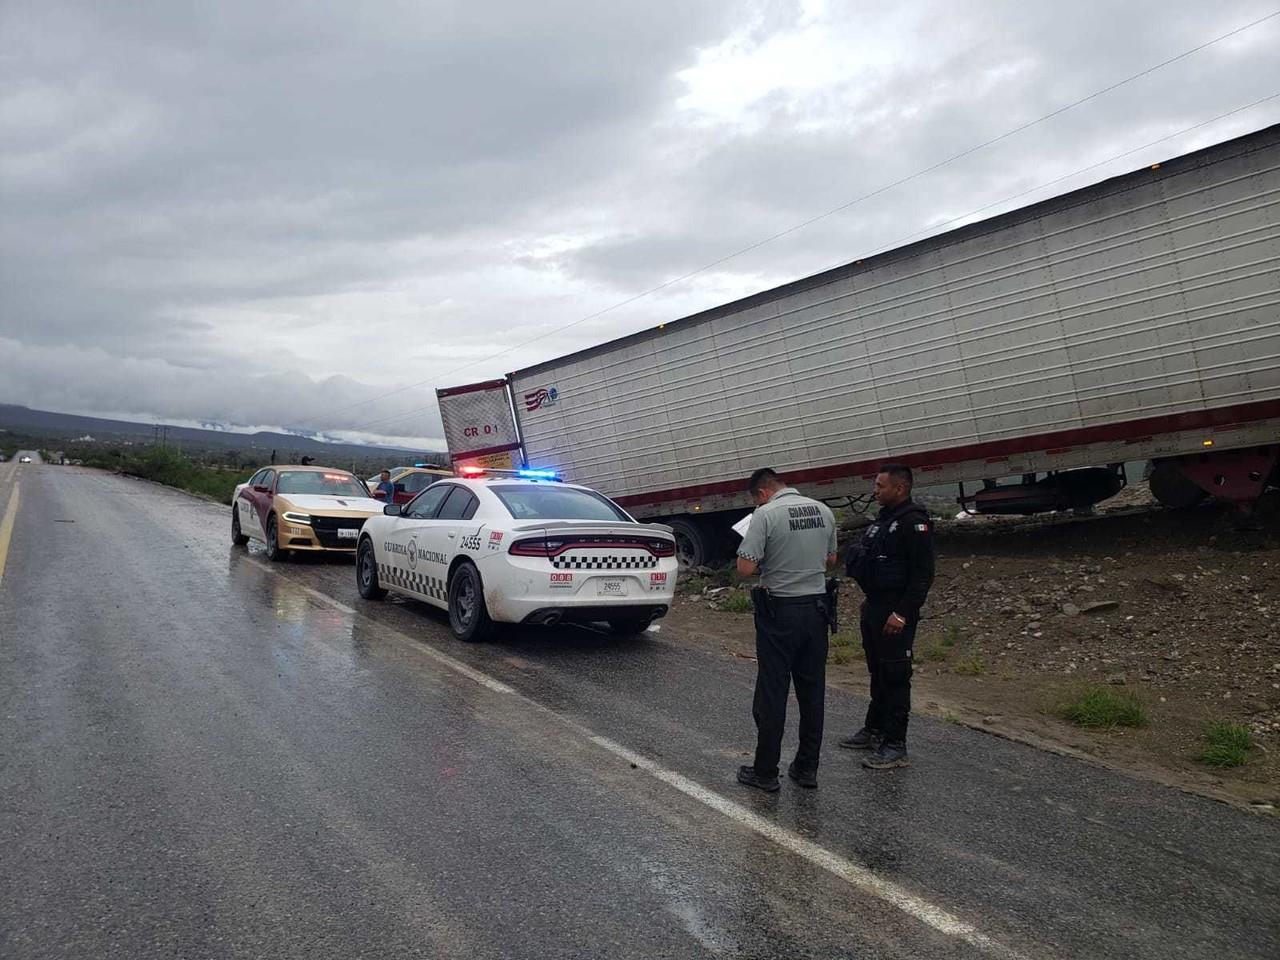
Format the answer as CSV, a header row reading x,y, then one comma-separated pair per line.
x,y
344,534
611,587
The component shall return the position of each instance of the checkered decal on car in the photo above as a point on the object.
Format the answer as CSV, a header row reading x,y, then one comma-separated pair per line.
x,y
597,562
419,583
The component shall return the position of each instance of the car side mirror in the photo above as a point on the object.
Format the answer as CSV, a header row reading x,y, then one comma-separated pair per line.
x,y
392,509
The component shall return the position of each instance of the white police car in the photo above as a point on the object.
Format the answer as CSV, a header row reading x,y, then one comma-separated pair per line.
x,y
519,547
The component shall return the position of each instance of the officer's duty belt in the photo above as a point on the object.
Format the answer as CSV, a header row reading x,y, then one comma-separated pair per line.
x,y
795,601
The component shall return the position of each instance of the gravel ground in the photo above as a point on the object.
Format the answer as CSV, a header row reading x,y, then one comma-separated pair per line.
x,y
1176,607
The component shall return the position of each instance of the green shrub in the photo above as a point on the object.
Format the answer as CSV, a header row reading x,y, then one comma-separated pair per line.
x,y
972,666
735,601
1096,706
168,466
935,652
693,584
1227,745
839,655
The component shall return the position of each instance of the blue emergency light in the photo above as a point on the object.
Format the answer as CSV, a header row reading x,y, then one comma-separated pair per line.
x,y
532,474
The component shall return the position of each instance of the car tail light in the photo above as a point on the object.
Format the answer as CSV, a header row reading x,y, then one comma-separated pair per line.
x,y
536,548
662,548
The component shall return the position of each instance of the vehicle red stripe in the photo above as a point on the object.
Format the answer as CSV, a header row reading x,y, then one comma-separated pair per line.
x,y
1237,415
471,388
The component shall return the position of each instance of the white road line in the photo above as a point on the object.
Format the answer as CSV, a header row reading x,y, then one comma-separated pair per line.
x,y
6,528
846,870
819,856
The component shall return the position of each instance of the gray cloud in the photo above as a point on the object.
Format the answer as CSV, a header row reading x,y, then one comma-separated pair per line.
x,y
264,215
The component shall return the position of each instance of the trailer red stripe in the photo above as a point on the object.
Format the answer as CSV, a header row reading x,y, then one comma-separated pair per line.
x,y
1237,415
471,388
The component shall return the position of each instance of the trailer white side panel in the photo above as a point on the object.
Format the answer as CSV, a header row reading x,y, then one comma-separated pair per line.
x,y
1149,296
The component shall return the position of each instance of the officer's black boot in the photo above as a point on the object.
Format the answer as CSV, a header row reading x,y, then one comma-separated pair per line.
x,y
887,756
748,776
864,739
805,777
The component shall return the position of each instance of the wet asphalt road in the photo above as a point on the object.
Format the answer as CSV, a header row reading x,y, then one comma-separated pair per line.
x,y
204,756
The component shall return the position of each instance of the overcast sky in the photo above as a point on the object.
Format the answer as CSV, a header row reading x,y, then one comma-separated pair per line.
x,y
263,213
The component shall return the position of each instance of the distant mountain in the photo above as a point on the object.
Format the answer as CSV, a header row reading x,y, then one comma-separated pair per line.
x,y
64,426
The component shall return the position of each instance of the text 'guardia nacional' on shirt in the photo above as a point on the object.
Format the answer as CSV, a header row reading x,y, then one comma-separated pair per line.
x,y
807,517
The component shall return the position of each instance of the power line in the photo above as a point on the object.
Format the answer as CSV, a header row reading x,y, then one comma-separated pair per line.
x,y
811,220
933,229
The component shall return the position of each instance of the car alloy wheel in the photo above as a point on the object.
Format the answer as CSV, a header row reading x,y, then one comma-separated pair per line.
x,y
274,550
237,536
367,572
468,617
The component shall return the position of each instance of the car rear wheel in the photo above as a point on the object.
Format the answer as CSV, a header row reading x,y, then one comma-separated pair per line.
x,y
367,572
275,553
237,537
468,616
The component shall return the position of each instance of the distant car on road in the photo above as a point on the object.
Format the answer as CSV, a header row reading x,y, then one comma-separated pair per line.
x,y
24,459
519,547
308,508
410,481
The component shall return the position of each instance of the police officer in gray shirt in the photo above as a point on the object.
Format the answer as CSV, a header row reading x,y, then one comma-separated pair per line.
x,y
791,543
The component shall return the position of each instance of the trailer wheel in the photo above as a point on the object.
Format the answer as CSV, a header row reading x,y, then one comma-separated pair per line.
x,y
694,546
1172,487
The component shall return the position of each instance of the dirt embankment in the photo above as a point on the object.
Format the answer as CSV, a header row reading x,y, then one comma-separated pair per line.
x,y
1177,608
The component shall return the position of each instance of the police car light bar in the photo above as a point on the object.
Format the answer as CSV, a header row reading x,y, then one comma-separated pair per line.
x,y
525,473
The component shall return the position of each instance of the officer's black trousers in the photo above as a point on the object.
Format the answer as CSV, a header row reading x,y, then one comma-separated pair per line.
x,y
790,645
889,664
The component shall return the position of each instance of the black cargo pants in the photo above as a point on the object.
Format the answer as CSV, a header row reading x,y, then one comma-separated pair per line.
x,y
791,644
889,664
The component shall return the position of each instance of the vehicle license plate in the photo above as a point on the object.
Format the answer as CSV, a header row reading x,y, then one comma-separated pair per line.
x,y
611,587
347,534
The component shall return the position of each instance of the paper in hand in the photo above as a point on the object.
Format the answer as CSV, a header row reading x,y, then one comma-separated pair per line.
x,y
743,525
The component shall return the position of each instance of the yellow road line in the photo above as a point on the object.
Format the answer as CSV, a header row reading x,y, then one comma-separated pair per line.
x,y
6,528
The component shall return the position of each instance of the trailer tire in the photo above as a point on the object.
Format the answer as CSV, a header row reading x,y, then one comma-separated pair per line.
x,y
694,544
1172,487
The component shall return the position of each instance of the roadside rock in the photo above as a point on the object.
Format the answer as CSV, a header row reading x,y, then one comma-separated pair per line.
x,y
1100,606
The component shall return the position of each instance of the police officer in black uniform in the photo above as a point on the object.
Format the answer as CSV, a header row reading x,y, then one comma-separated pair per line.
x,y
894,567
